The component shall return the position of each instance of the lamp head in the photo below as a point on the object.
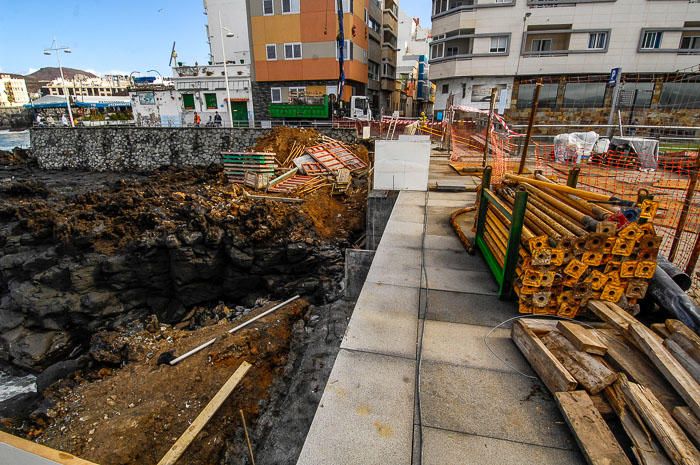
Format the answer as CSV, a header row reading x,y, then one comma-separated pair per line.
x,y
46,52
67,50
230,34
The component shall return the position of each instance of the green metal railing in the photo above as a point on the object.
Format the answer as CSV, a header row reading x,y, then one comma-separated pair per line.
x,y
505,276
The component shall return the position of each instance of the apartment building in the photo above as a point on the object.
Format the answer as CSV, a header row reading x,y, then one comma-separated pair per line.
x,y
412,68
88,86
296,56
390,86
572,47
13,91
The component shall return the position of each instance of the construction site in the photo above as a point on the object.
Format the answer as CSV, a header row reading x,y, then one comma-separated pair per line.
x,y
464,291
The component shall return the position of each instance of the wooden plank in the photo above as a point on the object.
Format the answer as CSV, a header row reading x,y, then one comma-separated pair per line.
x,y
680,379
588,370
673,440
583,339
607,314
550,370
39,450
688,422
592,434
630,360
660,329
686,361
539,326
180,446
684,337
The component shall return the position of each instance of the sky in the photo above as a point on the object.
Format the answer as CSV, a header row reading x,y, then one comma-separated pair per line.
x,y
113,36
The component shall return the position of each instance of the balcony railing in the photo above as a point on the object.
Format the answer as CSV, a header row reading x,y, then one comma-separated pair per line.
x,y
449,7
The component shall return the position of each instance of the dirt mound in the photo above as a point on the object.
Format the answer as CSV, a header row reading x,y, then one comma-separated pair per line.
x,y
281,140
15,157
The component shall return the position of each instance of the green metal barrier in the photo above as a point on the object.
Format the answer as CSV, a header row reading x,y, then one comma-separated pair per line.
x,y
505,277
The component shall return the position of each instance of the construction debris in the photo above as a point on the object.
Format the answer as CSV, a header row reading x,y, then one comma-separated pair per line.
x,y
644,387
238,164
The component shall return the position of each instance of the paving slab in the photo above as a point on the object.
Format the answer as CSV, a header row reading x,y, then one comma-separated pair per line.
x,y
449,242
408,212
453,259
491,403
388,298
404,240
381,332
411,198
463,196
403,227
453,203
464,345
469,308
397,275
397,256
447,279
451,448
366,413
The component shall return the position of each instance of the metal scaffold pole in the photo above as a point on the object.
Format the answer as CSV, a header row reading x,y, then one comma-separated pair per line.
x,y
531,122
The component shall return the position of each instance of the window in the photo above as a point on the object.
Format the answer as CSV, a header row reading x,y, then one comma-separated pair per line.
x,y
439,6
637,94
297,94
188,101
276,94
499,44
373,70
210,101
504,1
584,95
292,51
680,95
597,40
690,43
436,51
268,7
290,6
271,50
548,95
347,6
348,51
452,51
464,90
541,45
652,39
445,88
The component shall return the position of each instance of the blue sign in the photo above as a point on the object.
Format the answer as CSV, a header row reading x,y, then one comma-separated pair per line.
x,y
614,75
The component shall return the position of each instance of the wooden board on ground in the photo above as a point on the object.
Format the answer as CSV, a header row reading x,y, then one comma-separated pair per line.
x,y
688,422
686,361
674,441
627,358
582,338
612,314
680,379
467,169
684,337
39,450
592,373
592,434
671,184
550,370
180,446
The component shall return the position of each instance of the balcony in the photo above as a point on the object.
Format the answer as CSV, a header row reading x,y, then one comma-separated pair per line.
x,y
562,40
680,40
447,7
554,3
464,44
391,8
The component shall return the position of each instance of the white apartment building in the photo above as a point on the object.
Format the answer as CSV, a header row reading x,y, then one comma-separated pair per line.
x,y
412,67
480,44
13,91
202,88
86,86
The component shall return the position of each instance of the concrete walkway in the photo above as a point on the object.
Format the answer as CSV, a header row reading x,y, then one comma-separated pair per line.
x,y
414,381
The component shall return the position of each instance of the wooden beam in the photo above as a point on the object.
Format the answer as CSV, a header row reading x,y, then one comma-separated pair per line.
x,y
39,450
680,379
618,320
583,339
591,372
688,422
660,329
686,361
550,370
684,337
539,326
181,445
630,360
674,441
592,434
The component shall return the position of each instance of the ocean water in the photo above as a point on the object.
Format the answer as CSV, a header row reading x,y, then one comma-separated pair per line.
x,y
12,385
10,140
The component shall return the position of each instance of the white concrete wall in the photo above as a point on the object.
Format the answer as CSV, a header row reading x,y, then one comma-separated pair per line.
x,y
234,17
625,18
484,84
167,108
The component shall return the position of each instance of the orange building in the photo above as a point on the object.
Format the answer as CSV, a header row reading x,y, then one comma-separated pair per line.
x,y
295,53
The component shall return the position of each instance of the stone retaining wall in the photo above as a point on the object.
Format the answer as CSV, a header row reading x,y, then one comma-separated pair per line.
x,y
145,149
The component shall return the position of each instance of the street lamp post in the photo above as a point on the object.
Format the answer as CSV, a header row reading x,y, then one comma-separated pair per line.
x,y
223,52
57,51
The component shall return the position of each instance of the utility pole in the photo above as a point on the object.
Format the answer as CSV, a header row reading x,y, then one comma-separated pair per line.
x,y
223,52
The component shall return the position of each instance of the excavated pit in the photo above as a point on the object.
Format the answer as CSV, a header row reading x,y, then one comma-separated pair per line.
x,y
101,274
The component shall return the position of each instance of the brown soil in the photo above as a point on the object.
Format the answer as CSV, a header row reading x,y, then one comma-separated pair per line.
x,y
281,139
133,415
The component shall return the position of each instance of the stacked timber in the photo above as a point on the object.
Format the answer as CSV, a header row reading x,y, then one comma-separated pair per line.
x,y
237,164
620,376
576,246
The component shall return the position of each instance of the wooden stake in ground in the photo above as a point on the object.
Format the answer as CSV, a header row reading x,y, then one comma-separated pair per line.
x,y
181,445
590,430
247,438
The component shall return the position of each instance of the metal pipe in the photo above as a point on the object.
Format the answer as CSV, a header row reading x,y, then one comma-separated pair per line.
x,y
669,296
498,255
498,230
570,226
496,235
561,188
586,221
541,225
530,123
598,212
527,234
682,279
549,220
689,193
488,125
